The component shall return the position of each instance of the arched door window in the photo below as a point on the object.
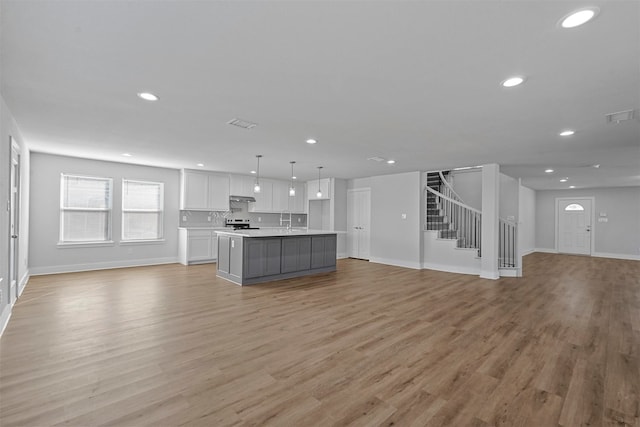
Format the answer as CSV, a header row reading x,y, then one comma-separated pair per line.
x,y
574,207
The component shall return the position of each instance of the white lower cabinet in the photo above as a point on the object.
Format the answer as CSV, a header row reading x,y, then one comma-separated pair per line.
x,y
197,246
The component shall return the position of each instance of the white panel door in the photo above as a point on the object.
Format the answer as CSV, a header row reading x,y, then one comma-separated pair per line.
x,y
364,206
574,226
358,223
14,205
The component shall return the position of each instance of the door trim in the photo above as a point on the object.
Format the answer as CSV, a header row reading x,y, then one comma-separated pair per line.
x,y
592,242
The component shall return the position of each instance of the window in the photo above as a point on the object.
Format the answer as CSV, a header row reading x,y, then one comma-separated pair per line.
x,y
142,207
574,207
85,209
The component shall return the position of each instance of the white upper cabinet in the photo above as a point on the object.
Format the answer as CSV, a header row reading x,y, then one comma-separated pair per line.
x,y
325,188
264,199
242,185
298,203
280,196
204,191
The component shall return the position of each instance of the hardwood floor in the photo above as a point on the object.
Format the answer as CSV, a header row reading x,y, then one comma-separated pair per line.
x,y
367,345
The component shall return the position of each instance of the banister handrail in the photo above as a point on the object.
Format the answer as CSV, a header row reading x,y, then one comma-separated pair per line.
x,y
454,201
442,178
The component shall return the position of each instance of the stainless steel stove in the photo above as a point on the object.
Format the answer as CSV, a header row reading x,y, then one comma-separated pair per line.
x,y
240,224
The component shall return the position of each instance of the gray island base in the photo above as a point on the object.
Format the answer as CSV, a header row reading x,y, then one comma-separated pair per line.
x,y
246,257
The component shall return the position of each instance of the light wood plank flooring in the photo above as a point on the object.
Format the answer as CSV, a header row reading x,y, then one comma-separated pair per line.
x,y
367,345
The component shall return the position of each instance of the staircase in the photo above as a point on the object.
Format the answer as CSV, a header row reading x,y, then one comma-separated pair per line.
x,y
447,214
452,232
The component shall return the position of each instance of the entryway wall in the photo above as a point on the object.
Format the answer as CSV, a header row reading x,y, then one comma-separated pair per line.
x,y
617,234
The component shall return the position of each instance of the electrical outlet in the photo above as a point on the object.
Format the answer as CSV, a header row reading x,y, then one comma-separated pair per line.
x,y
259,219
404,216
184,217
209,218
299,219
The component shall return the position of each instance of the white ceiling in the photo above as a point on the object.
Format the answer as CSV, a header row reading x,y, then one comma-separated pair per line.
x,y
418,82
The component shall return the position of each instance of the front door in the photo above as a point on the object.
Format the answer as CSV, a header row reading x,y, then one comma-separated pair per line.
x,y
574,226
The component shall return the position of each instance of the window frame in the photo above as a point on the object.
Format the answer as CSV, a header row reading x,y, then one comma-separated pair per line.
x,y
160,212
109,210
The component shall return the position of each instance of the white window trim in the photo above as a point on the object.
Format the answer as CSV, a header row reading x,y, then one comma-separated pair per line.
x,y
160,238
109,209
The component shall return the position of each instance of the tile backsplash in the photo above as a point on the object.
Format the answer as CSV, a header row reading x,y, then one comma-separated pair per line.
x,y
217,219
202,219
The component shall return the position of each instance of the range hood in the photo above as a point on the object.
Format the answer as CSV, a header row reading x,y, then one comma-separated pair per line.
x,y
242,199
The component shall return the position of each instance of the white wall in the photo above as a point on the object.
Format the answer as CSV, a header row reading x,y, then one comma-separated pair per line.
x,y
394,240
509,200
468,185
620,236
358,183
526,220
339,202
9,128
47,257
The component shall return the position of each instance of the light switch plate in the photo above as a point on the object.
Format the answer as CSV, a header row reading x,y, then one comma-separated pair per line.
x,y
404,216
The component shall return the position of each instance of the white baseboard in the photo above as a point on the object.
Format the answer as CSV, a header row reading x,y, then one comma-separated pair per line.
x,y
546,250
528,251
510,272
72,268
342,256
616,256
4,318
492,275
451,268
596,254
396,262
23,282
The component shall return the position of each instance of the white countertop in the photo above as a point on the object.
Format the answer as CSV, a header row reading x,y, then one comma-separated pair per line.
x,y
205,228
276,232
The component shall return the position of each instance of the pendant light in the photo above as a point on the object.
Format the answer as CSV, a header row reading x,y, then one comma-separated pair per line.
x,y
256,188
292,189
319,193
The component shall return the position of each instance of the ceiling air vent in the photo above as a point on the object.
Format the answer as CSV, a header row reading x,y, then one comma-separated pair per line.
x,y
376,159
242,124
622,116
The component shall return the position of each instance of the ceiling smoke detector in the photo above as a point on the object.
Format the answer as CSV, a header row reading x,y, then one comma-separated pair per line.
x,y
242,124
622,116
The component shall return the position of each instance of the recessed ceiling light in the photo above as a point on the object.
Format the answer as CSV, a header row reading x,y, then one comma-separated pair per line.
x,y
147,96
311,141
294,177
201,165
391,161
572,186
597,166
564,180
579,17
548,170
513,81
127,154
253,171
567,132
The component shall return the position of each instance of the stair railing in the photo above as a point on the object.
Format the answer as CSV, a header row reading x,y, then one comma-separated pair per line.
x,y
464,219
507,244
448,190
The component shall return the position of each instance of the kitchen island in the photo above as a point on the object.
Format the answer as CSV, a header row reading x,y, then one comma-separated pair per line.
x,y
246,257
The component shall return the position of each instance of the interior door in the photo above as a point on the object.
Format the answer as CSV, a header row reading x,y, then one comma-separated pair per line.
x,y
574,226
14,216
364,236
358,223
